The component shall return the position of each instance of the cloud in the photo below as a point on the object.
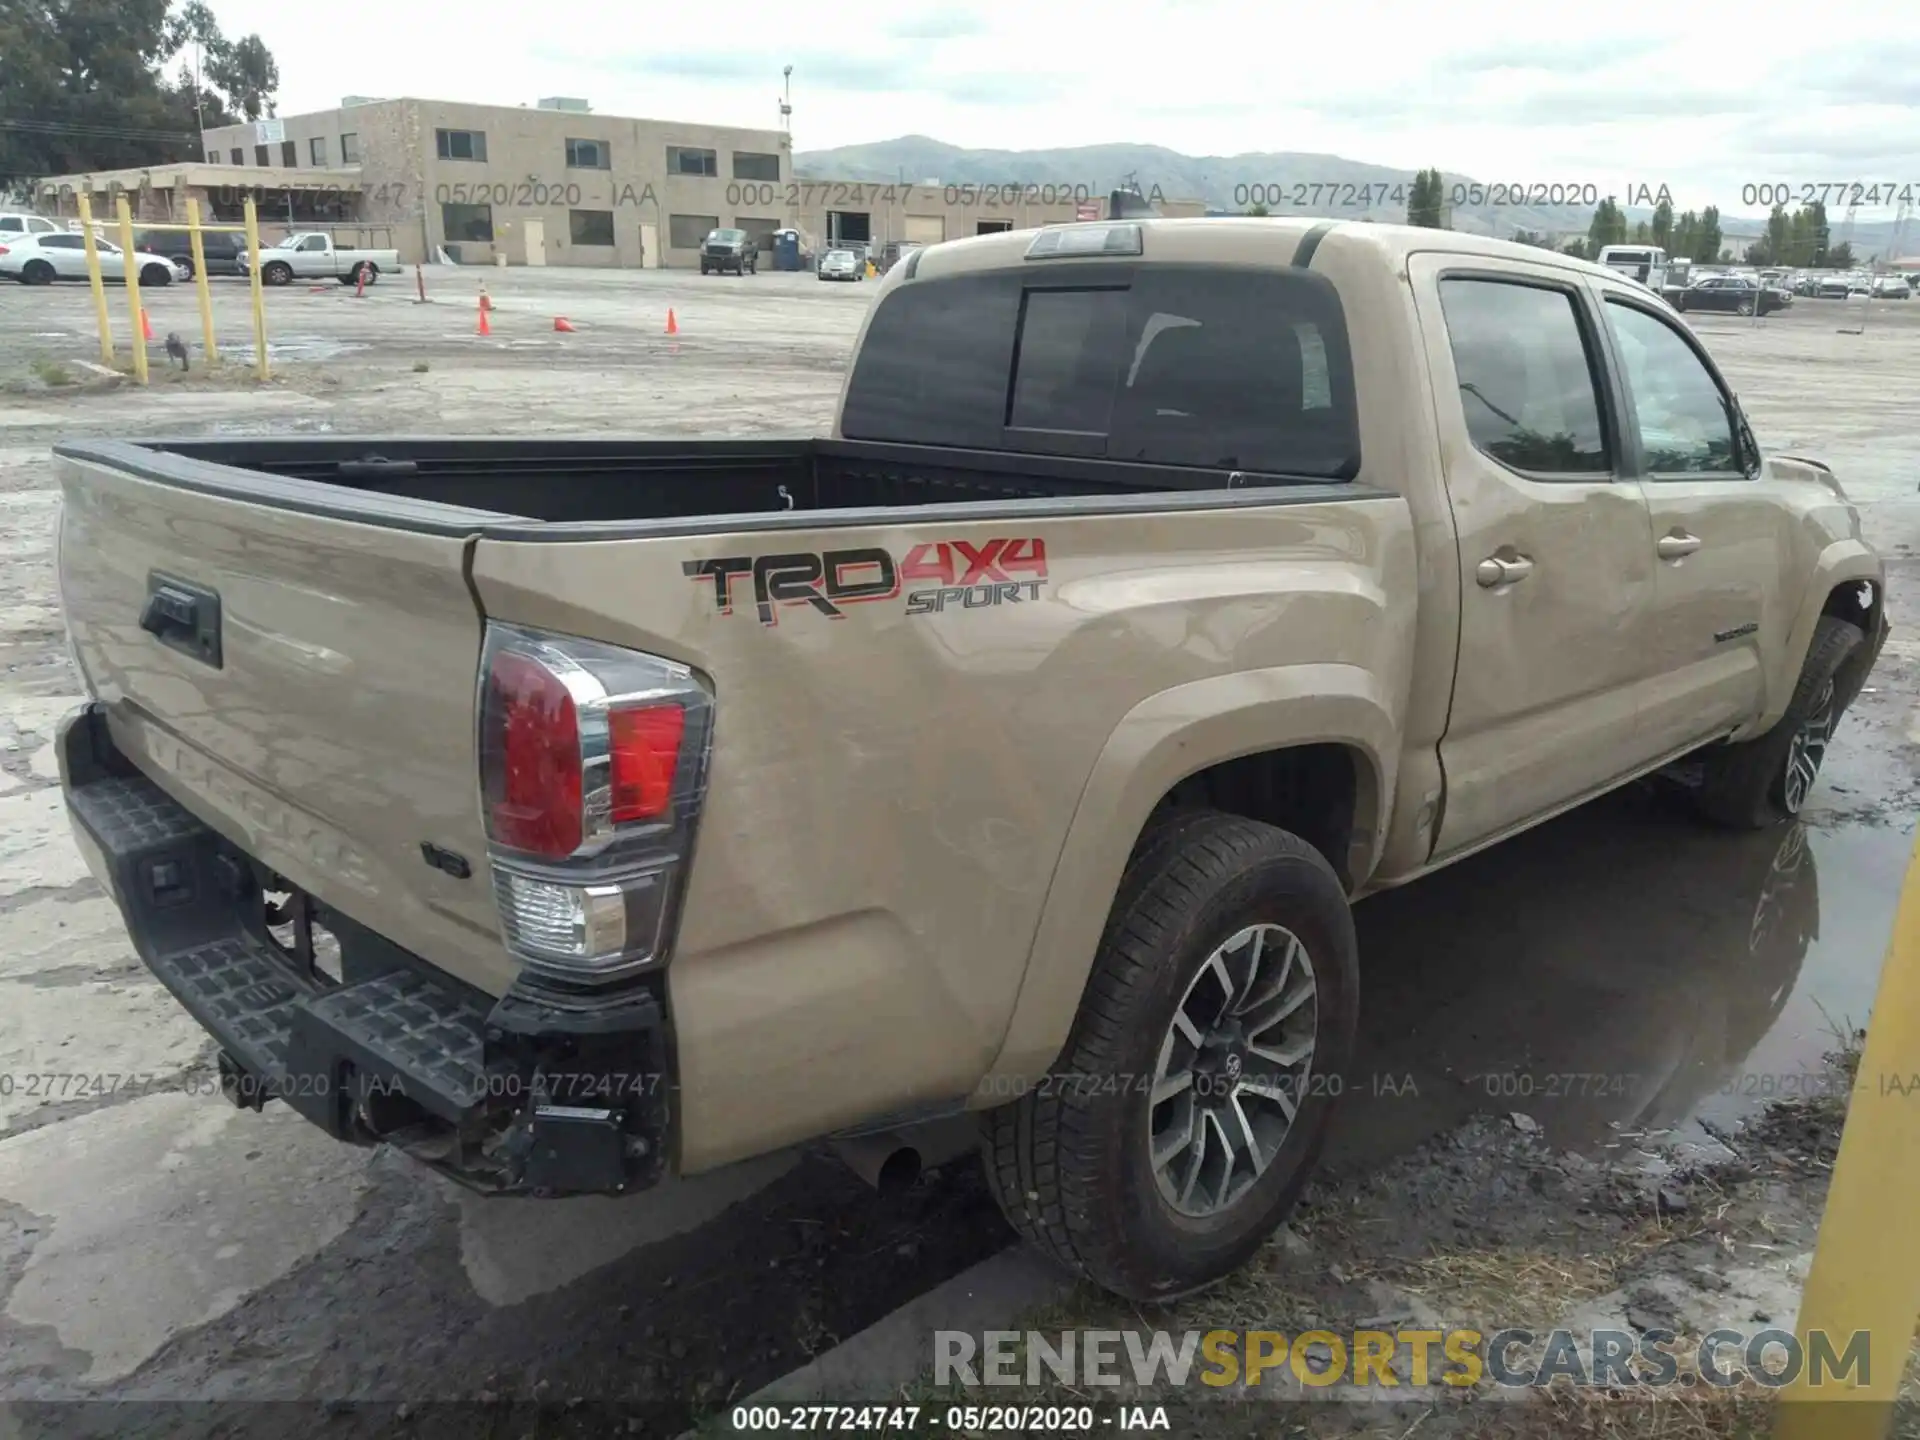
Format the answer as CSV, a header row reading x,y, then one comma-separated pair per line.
x,y
1571,98
944,23
1580,55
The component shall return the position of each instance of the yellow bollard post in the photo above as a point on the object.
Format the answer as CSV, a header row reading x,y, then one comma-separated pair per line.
x,y
200,280
1866,1264
259,300
93,278
131,277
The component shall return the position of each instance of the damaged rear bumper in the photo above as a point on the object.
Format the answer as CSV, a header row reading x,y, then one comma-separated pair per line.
x,y
533,1093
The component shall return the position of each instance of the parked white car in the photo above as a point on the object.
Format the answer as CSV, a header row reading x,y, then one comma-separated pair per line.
x,y
311,254
43,258
1891,287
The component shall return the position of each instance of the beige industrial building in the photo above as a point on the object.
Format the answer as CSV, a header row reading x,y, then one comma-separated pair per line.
x,y
551,184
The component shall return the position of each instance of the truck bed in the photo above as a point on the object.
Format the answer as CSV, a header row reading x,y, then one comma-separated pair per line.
x,y
497,485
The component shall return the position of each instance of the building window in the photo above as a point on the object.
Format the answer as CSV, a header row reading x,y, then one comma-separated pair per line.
x,y
682,160
750,166
467,222
685,232
317,149
589,155
260,155
460,144
349,149
760,228
591,227
289,154
239,156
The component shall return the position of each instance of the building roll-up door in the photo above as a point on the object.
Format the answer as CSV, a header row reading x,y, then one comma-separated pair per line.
x,y
926,229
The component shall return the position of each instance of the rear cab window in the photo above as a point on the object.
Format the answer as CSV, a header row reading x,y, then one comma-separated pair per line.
x,y
1529,384
1202,367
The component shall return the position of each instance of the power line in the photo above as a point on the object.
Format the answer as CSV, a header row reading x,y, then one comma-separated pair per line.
x,y
93,131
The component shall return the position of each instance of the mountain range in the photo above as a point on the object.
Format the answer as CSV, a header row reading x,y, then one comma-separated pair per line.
x,y
1346,189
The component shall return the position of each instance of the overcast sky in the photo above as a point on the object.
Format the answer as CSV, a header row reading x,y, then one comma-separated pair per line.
x,y
1704,99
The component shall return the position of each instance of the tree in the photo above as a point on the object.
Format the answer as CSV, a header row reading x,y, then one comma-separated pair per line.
x,y
1706,245
1577,248
1840,256
1663,225
1686,233
1608,227
84,85
1534,238
1425,201
1260,211
245,70
1643,233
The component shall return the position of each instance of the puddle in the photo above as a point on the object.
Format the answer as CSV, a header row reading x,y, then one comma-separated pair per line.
x,y
1619,971
304,348
302,426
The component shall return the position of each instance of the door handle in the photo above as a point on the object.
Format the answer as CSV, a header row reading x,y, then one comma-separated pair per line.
x,y
1494,571
1677,547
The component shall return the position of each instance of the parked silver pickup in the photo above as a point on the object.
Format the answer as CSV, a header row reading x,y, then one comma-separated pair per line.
x,y
311,254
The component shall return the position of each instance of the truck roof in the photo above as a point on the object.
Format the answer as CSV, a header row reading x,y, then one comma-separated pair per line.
x,y
1246,240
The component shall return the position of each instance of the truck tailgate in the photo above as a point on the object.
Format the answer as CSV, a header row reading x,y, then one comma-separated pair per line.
x,y
330,733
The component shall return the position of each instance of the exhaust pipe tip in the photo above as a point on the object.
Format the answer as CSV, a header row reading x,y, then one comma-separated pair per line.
x,y
885,1161
898,1171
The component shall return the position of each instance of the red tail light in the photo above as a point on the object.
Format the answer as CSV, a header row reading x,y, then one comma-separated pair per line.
x,y
645,746
533,780
593,766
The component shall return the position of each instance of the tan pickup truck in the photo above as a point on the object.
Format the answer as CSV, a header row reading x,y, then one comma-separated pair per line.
x,y
575,812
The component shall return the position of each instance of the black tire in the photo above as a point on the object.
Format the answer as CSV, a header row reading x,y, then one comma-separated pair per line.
x,y
1069,1161
1746,307
185,262
276,272
1746,786
704,270
37,272
154,277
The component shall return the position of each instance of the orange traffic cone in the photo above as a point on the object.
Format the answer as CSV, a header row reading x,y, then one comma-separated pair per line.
x,y
485,328
563,325
360,285
146,325
673,325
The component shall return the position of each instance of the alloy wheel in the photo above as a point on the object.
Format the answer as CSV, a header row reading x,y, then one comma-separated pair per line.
x,y
1806,750
1233,1067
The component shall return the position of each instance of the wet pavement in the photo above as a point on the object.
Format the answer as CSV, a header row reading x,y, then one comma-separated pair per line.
x,y
1618,973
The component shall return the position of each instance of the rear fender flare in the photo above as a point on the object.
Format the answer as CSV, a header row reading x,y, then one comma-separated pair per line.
x,y
1160,742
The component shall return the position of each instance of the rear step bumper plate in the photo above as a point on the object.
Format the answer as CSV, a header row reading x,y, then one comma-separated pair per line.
x,y
333,1050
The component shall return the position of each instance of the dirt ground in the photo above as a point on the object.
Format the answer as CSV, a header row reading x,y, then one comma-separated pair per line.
x,y
1638,989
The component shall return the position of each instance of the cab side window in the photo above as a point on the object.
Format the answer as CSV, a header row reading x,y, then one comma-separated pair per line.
x,y
1527,385
1685,422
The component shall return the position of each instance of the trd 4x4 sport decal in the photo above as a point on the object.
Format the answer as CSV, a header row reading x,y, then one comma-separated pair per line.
x,y
968,577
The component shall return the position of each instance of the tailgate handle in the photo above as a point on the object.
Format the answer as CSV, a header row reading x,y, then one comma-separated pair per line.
x,y
183,617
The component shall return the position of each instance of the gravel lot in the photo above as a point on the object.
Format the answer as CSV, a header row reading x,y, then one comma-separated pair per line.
x,y
162,1245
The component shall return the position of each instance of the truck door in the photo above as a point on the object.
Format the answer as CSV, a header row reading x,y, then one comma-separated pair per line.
x,y
1555,546
1723,533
